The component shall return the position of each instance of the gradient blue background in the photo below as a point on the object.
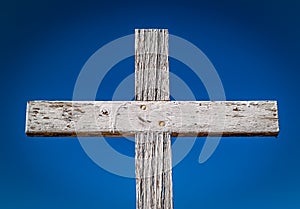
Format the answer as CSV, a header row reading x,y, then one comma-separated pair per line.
x,y
254,45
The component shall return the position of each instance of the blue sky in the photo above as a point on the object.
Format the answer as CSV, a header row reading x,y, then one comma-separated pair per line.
x,y
254,46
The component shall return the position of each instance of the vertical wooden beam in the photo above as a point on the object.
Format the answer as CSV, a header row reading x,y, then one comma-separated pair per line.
x,y
153,149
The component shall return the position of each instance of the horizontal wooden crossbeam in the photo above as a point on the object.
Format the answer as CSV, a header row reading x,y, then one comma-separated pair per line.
x,y
184,118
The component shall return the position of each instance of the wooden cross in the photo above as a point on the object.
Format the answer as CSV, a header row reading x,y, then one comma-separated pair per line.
x,y
153,119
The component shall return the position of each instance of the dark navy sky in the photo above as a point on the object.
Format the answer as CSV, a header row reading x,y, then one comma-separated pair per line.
x,y
254,46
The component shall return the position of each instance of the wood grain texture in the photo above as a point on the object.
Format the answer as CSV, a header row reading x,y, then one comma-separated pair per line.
x,y
185,118
151,65
152,148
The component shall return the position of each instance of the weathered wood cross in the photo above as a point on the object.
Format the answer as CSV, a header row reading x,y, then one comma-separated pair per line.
x,y
153,119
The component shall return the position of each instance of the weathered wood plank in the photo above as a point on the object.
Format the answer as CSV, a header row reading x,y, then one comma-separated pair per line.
x,y
152,149
185,118
151,65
